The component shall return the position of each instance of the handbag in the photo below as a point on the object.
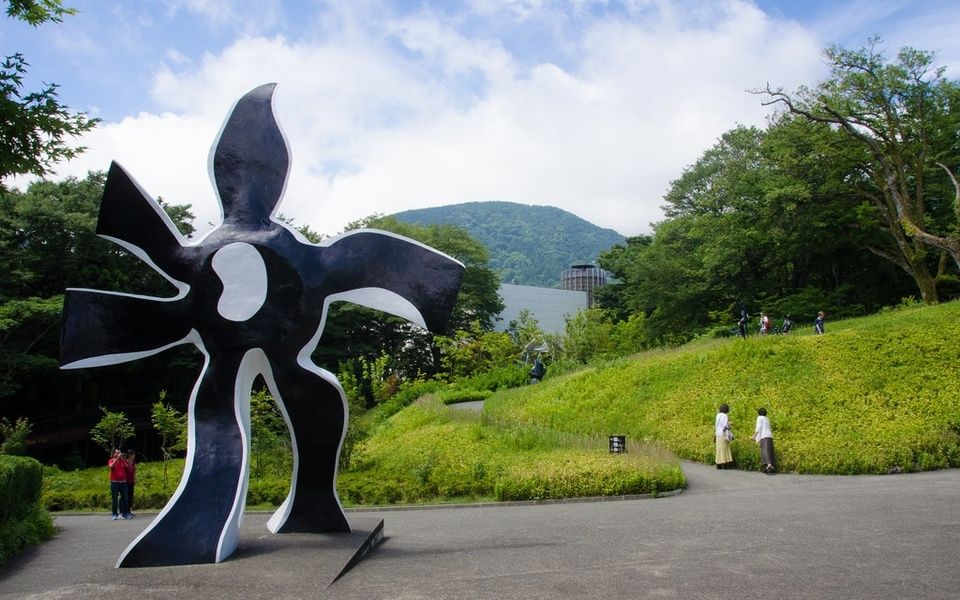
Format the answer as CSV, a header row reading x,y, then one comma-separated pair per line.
x,y
728,433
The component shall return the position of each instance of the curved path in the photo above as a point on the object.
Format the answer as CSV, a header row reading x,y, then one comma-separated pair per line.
x,y
731,534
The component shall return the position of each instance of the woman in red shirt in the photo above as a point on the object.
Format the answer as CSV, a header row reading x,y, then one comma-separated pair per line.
x,y
118,484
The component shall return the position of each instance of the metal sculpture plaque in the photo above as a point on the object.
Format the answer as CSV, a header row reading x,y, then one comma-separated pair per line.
x,y
253,297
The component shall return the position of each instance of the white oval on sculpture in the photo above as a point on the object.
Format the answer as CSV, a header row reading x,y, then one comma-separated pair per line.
x,y
240,267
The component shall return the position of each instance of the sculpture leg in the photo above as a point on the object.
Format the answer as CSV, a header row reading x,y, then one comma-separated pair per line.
x,y
201,521
316,411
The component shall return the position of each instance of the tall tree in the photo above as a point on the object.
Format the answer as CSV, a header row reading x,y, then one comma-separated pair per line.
x,y
904,114
112,430
763,218
171,424
35,128
48,243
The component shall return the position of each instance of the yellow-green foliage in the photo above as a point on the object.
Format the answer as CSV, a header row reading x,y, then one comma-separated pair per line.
x,y
872,394
86,489
422,453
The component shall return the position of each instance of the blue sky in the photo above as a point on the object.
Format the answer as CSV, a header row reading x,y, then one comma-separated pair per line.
x,y
588,105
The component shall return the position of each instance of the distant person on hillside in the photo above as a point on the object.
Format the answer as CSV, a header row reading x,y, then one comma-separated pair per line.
x,y
742,323
131,480
118,484
538,371
818,323
787,324
722,435
764,324
763,435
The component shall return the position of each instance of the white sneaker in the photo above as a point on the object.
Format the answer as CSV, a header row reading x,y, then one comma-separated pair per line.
x,y
115,517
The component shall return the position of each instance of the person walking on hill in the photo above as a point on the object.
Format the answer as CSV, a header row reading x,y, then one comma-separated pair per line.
x,y
764,324
131,480
787,324
763,435
118,484
818,323
723,434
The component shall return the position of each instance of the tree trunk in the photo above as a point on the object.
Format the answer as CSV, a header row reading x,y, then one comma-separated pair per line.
x,y
926,282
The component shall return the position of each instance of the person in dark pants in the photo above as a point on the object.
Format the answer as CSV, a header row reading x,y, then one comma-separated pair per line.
x,y
538,371
818,323
131,481
118,484
763,435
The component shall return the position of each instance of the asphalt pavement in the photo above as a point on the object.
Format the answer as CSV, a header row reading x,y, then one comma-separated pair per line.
x,y
731,534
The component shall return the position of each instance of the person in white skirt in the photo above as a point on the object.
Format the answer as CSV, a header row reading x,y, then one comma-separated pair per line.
x,y
764,436
723,433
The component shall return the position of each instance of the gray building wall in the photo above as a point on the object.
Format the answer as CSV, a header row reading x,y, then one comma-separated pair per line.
x,y
549,306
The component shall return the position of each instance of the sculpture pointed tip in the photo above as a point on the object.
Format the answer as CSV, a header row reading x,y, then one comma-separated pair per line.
x,y
266,89
250,159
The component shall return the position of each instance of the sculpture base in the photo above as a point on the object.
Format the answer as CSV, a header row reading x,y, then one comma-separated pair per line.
x,y
373,539
325,556
265,561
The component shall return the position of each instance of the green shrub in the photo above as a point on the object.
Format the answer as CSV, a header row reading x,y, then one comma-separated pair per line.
x,y
359,488
466,395
267,492
20,481
499,378
23,522
571,475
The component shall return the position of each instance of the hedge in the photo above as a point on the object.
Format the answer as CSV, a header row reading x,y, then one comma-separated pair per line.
x,y
22,520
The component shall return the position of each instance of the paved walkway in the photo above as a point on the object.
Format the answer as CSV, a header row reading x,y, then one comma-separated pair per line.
x,y
730,535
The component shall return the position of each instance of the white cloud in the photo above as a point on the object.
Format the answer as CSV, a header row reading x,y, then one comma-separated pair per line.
x,y
396,114
249,17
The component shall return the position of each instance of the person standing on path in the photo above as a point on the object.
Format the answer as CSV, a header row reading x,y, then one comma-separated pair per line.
x,y
763,435
118,484
131,462
723,433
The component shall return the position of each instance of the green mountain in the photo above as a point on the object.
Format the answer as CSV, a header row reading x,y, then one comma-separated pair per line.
x,y
529,245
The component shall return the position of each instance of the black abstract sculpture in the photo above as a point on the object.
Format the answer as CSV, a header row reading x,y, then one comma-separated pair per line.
x,y
253,298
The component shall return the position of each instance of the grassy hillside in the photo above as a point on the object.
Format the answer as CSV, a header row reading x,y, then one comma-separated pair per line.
x,y
873,394
428,452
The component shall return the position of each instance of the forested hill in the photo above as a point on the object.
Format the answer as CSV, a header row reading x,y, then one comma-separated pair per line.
x,y
529,245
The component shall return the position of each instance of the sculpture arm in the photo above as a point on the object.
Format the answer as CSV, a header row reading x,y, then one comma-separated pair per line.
x,y
132,219
392,273
101,328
